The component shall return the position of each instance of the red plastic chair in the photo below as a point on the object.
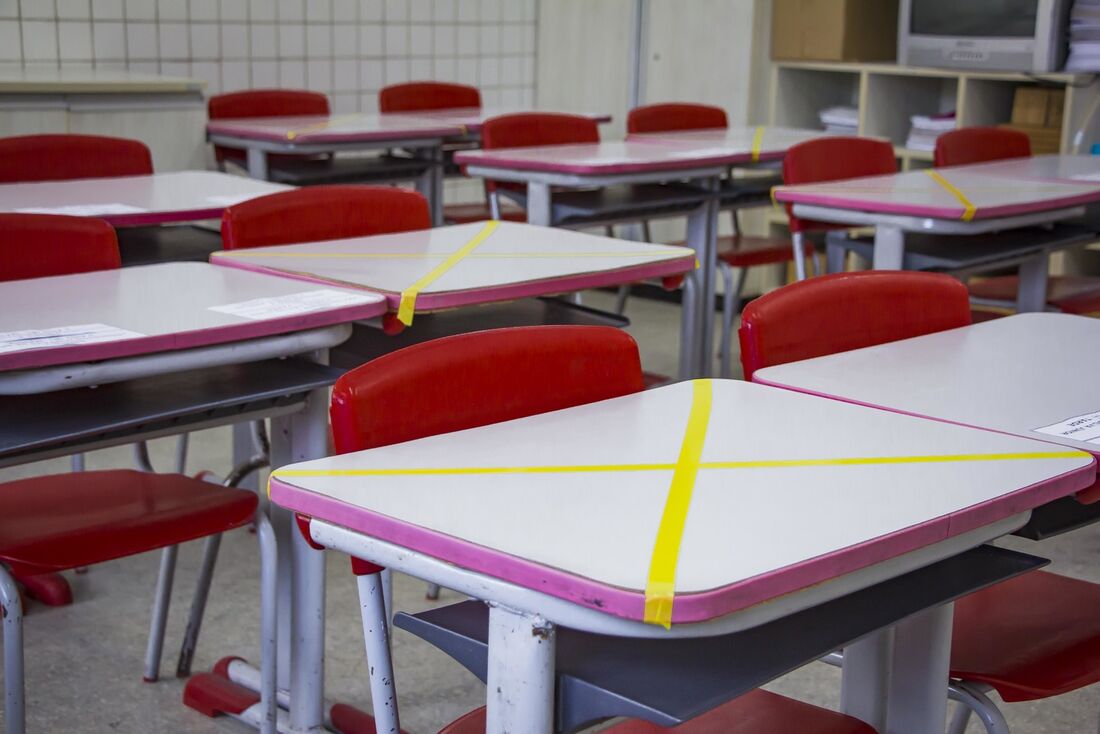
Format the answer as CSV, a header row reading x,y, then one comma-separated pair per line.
x,y
980,145
670,116
323,213
488,377
1029,638
420,96
1070,294
65,157
527,129
262,103
55,523
40,245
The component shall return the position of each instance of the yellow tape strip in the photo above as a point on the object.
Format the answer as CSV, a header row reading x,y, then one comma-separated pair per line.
x,y
291,134
757,141
408,296
968,206
428,255
661,582
658,466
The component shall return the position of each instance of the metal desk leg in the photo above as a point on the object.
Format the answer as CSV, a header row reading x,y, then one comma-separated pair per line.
x,y
1032,292
889,248
538,204
257,164
299,437
864,688
702,237
430,183
520,679
918,681
689,351
244,448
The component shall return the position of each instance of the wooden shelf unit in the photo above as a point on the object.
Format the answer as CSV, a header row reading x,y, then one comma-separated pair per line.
x,y
887,95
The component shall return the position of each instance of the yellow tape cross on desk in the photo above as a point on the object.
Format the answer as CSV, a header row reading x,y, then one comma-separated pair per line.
x,y
408,296
968,206
661,575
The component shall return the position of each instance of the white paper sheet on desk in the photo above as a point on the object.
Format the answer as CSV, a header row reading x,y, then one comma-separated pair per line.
x,y
293,304
1079,428
84,210
62,336
1087,177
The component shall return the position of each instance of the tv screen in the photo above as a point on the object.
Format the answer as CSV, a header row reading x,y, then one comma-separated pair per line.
x,y
985,18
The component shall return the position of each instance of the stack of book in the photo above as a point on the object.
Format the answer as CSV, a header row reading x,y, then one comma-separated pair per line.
x,y
1084,36
840,120
925,130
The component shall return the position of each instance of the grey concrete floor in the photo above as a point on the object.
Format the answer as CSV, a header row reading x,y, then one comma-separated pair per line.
x,y
84,661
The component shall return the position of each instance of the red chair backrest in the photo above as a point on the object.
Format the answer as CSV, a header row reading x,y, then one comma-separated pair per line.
x,y
528,129
834,159
979,145
427,96
323,213
479,378
844,311
40,245
262,103
658,118
65,157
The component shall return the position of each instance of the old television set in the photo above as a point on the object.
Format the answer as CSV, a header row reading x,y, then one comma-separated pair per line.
x,y
992,35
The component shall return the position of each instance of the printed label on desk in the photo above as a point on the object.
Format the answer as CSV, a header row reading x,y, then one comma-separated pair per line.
x,y
62,336
1079,428
294,304
84,210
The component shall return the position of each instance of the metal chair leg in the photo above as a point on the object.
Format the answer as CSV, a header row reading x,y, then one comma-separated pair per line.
x,y
646,234
159,621
269,628
732,282
621,298
797,240
383,691
15,719
972,698
494,205
210,558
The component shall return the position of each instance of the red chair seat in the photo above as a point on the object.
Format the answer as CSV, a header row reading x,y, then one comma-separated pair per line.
x,y
1068,293
1032,637
745,251
478,212
758,712
58,522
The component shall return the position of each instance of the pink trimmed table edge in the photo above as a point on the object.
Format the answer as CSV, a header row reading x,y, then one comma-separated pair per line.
x,y
916,210
688,608
149,218
473,296
581,169
55,356
247,133
842,399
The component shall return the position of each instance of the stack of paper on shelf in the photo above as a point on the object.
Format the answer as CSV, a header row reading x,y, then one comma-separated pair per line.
x,y
840,120
925,130
1084,36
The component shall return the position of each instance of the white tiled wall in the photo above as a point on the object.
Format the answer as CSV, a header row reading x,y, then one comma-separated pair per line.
x,y
348,49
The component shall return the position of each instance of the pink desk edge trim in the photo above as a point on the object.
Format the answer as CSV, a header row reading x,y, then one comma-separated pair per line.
x,y
165,217
917,210
503,160
474,126
188,339
695,607
248,132
841,398
473,296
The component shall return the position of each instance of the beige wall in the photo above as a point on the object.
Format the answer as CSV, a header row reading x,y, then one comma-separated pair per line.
x,y
711,51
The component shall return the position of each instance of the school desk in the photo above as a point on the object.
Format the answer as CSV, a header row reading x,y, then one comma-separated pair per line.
x,y
1027,375
759,144
1073,168
949,201
138,333
331,134
467,264
471,119
694,510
